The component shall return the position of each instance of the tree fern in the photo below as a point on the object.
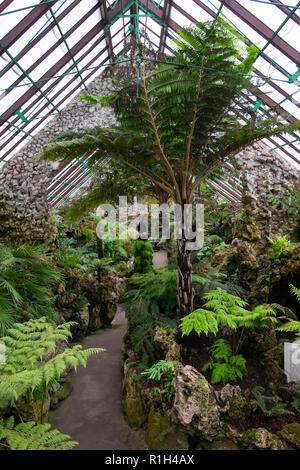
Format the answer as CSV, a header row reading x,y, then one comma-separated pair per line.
x,y
32,436
179,128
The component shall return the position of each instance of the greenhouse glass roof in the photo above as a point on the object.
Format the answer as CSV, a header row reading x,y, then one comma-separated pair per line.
x,y
51,50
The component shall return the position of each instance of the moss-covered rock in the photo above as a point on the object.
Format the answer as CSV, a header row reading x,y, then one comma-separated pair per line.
x,y
291,434
62,393
218,444
262,439
234,404
163,434
132,402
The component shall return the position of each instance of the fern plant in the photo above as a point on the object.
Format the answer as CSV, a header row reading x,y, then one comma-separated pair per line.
x,y
32,436
279,247
179,128
164,372
32,362
225,366
27,274
296,399
276,410
293,326
221,307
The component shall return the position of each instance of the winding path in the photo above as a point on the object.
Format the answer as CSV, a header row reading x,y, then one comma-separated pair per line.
x,y
92,414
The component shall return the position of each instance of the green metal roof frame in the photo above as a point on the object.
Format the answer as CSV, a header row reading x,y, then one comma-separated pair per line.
x,y
40,100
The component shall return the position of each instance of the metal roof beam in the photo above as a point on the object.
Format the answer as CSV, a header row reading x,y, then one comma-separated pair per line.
x,y
166,15
103,11
15,33
262,29
286,10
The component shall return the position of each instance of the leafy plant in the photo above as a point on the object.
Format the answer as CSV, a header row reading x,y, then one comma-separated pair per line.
x,y
32,362
32,436
177,130
143,256
225,367
164,372
292,326
276,410
296,399
221,307
27,274
82,257
279,247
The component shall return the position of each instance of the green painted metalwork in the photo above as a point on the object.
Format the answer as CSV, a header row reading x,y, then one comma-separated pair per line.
x,y
67,46
278,29
17,127
26,8
296,75
284,145
29,78
20,115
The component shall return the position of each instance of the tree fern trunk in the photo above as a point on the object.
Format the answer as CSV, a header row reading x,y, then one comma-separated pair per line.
x,y
100,249
184,280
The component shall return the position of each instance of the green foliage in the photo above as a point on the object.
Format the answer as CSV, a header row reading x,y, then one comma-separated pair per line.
x,y
32,436
115,249
292,326
32,362
164,372
27,274
181,118
296,399
83,257
225,367
276,410
226,309
279,247
143,257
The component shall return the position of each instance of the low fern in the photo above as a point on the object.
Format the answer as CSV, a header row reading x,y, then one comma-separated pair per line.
x,y
32,436
226,309
292,326
164,372
32,363
276,410
225,367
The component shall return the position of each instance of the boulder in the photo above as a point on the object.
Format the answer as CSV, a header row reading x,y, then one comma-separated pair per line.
x,y
195,406
166,345
291,434
64,390
132,402
163,434
218,444
234,405
262,439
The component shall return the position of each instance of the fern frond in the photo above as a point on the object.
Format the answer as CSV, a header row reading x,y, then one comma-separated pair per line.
x,y
32,436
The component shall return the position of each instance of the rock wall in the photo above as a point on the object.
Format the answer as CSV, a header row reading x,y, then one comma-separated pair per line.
x,y
24,209
264,177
